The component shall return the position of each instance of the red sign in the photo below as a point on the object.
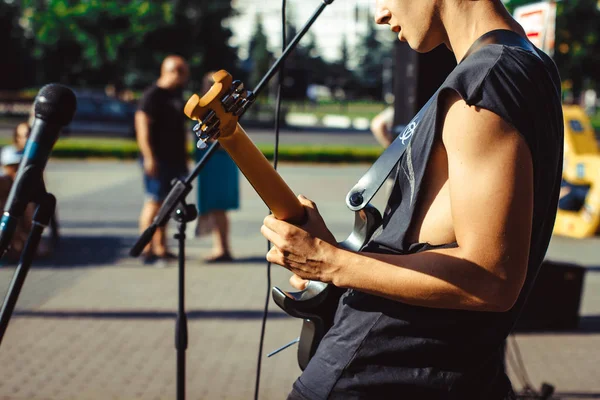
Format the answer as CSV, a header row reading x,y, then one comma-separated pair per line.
x,y
539,22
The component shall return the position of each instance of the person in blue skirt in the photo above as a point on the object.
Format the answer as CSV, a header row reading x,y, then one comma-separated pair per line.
x,y
218,193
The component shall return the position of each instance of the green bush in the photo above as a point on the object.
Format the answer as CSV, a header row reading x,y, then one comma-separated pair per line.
x,y
85,148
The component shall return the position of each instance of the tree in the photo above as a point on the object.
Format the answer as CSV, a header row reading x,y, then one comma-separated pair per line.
x,y
512,4
577,51
372,53
85,42
96,42
305,65
260,58
16,66
296,72
198,34
345,53
577,48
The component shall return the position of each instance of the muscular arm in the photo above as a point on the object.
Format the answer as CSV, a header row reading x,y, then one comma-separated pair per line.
x,y
142,132
490,178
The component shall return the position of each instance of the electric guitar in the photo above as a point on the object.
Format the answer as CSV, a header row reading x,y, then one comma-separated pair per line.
x,y
217,113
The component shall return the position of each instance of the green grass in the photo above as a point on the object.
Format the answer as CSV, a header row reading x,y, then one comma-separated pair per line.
x,y
356,109
86,148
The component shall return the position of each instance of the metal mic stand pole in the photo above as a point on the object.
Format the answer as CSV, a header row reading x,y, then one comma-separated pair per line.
x,y
174,205
41,218
176,198
183,214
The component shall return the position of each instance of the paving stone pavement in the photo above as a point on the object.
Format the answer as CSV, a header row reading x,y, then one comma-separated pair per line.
x,y
93,323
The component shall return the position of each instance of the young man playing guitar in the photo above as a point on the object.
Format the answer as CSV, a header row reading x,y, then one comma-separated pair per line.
x,y
433,295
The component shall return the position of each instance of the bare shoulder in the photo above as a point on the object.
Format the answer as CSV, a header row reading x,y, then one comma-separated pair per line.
x,y
466,126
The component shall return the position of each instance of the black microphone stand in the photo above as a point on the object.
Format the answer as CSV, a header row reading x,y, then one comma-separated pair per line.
x,y
174,204
44,212
183,214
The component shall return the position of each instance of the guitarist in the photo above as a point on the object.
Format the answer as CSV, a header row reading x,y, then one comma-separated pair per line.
x,y
433,295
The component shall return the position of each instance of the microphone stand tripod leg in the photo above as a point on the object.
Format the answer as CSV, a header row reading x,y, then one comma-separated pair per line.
x,y
41,218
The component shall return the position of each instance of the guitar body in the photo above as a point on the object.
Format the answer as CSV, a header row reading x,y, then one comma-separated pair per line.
x,y
217,113
318,302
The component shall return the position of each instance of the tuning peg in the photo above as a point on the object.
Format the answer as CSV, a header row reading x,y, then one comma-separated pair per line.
x,y
242,104
209,118
229,102
201,144
238,86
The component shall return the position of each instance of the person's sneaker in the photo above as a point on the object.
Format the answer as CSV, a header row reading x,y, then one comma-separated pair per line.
x,y
149,258
165,260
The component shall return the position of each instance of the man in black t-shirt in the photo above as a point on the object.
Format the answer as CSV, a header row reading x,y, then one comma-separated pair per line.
x,y
433,295
161,136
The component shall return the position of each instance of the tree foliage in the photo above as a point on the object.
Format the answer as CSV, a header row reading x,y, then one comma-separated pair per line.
x,y
577,51
122,42
577,44
260,58
16,64
95,42
372,53
89,36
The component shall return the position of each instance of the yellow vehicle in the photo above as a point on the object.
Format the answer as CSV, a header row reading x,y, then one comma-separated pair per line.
x,y
579,207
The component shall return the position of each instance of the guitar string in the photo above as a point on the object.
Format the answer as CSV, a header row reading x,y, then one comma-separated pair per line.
x,y
275,162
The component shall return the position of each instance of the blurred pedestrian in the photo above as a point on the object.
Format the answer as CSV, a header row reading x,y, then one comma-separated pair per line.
x,y
10,158
218,193
384,131
14,152
161,136
20,136
381,126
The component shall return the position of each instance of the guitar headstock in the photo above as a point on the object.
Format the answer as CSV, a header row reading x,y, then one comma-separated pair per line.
x,y
219,109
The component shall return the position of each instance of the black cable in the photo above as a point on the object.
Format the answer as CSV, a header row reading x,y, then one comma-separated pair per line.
x,y
275,162
519,367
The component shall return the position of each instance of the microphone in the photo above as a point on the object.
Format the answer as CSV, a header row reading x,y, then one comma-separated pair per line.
x,y
54,108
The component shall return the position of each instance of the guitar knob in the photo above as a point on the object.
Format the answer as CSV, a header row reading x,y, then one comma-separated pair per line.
x,y
201,144
356,199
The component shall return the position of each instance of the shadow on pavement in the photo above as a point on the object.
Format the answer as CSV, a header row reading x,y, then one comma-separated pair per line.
x,y
94,251
128,224
149,314
588,324
85,251
241,260
576,395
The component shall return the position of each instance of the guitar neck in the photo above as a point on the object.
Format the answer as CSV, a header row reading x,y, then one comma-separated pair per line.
x,y
267,182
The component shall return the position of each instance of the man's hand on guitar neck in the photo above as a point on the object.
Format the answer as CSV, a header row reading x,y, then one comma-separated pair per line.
x,y
304,250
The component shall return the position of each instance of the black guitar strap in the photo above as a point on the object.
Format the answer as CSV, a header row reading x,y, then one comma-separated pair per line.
x,y
370,183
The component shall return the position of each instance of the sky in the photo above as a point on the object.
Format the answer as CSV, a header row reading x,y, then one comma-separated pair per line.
x,y
337,19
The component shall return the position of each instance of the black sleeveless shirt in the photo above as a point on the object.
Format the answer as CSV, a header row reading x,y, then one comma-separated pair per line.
x,y
384,349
